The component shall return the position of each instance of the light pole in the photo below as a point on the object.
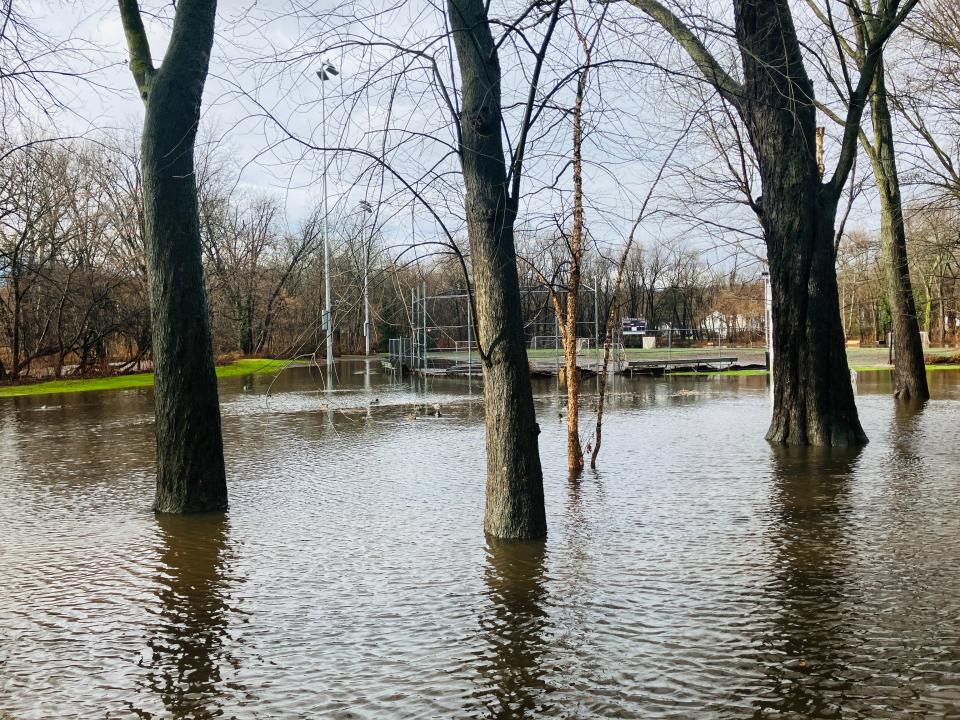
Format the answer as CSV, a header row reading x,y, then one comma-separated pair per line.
x,y
326,72
768,318
367,208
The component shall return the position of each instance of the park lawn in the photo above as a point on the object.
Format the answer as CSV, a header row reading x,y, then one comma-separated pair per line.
x,y
728,373
929,367
856,368
246,366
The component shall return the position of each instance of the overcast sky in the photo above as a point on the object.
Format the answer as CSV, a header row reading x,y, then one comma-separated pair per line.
x,y
263,89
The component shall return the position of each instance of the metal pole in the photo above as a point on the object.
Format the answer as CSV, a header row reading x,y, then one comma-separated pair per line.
x,y
416,332
596,334
424,326
413,331
469,345
366,316
327,291
768,312
596,324
366,302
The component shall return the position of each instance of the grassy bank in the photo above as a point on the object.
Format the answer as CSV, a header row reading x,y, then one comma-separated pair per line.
x,y
726,373
248,366
856,368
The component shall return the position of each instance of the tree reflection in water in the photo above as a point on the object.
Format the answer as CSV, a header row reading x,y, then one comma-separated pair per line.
x,y
907,417
807,646
188,657
514,627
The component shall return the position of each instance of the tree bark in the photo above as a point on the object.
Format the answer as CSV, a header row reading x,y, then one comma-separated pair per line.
x,y
813,395
574,448
190,468
909,372
813,398
514,497
245,327
16,367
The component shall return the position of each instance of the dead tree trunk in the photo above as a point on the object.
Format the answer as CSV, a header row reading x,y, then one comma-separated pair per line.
x,y
190,469
909,371
514,498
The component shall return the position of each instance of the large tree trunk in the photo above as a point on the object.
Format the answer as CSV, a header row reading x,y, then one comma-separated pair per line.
x,y
813,396
190,468
910,376
514,502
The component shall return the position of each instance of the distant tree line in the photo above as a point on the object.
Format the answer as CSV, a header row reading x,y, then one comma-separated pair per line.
x,y
73,287
74,296
73,292
933,235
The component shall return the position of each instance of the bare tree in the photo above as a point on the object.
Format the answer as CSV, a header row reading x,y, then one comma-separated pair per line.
x,y
565,281
926,93
813,398
190,468
910,378
514,478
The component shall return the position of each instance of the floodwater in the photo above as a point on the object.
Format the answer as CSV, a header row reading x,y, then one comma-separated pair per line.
x,y
699,574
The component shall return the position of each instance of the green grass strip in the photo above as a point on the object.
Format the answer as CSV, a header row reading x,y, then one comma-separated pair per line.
x,y
728,373
857,368
247,366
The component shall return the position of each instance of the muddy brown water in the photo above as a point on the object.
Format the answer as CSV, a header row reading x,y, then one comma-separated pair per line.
x,y
699,574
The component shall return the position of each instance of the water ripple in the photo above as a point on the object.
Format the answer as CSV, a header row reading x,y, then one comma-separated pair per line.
x,y
698,573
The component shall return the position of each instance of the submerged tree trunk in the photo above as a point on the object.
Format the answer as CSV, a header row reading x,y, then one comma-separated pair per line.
x,y
813,396
190,469
572,372
910,376
514,498
602,374
574,448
